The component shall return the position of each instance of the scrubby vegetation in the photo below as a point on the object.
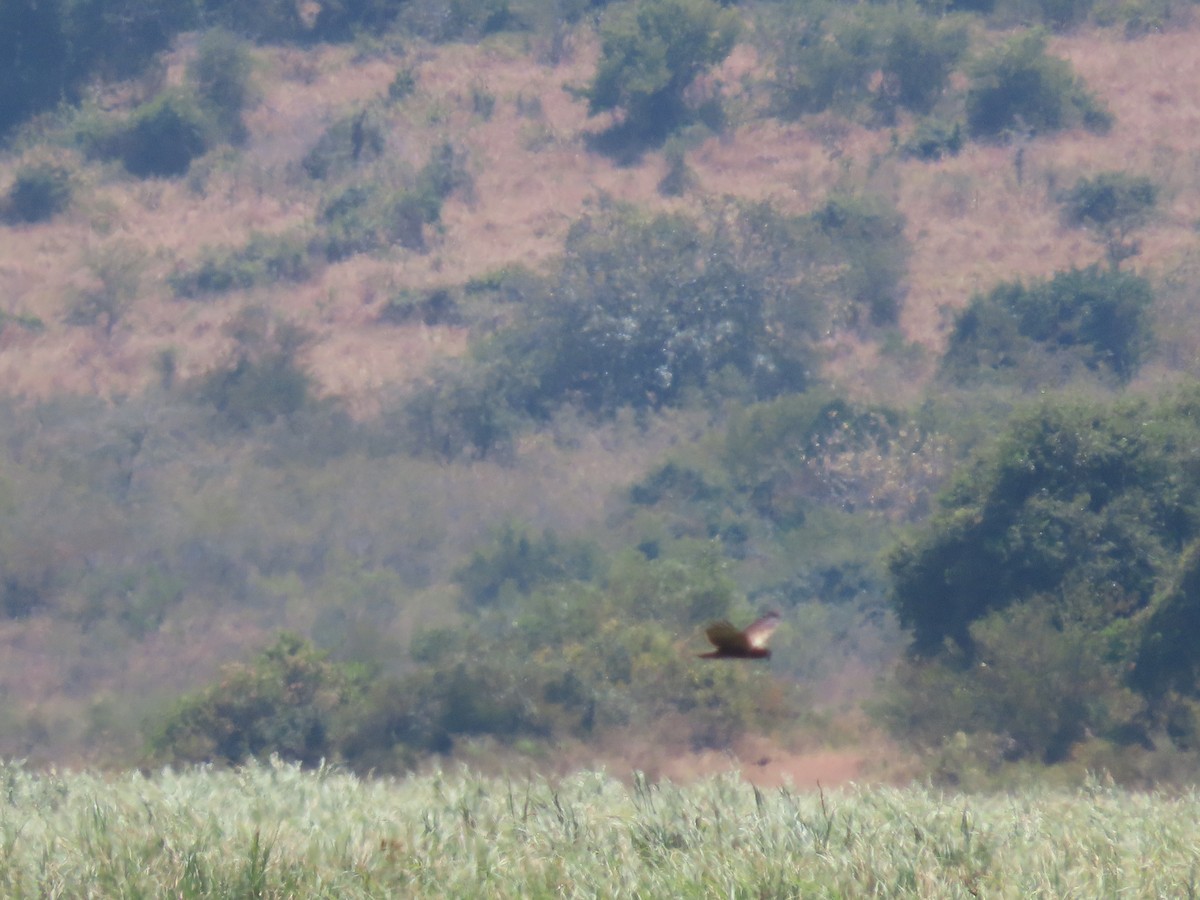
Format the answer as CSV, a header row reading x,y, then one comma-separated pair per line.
x,y
386,381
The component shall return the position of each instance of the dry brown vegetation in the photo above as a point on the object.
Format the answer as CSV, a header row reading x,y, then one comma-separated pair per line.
x,y
970,220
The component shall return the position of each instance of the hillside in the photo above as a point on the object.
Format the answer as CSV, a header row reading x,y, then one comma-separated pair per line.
x,y
295,387
970,223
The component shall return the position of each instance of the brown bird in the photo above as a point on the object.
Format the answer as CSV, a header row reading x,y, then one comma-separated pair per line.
x,y
751,643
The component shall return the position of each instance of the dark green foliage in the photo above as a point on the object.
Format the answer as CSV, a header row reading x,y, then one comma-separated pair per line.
x,y
402,85
349,142
39,192
160,138
436,307
934,140
1093,317
563,659
769,448
645,310
450,20
1108,199
1168,657
257,390
367,216
265,259
1018,87
1034,594
832,59
1080,503
221,76
264,381
650,52
1037,684
518,561
116,38
1113,204
868,236
34,59
268,20
286,702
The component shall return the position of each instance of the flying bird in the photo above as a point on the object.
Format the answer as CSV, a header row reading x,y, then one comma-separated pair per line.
x,y
750,643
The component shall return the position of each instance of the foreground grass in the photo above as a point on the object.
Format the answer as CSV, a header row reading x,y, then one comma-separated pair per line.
x,y
274,831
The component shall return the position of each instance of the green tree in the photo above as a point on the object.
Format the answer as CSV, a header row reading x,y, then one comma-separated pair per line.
x,y
650,52
1112,204
1082,503
843,57
284,703
221,74
39,192
35,58
1019,87
1168,657
1094,317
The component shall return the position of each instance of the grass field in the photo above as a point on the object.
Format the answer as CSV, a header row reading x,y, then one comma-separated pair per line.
x,y
275,831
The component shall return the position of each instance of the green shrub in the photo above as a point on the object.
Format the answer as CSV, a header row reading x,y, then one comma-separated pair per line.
x,y
1093,317
39,192
644,311
436,307
518,561
116,269
841,58
1019,87
1112,204
650,53
264,380
363,217
221,74
934,140
349,142
160,138
35,59
265,259
868,236
284,703
1079,502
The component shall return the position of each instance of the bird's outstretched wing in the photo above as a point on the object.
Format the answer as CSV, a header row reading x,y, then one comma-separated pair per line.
x,y
726,638
759,632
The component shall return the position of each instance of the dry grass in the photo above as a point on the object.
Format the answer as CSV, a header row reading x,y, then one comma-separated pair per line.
x,y
970,222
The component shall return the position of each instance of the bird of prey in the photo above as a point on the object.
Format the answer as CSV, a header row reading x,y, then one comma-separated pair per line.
x,y
751,643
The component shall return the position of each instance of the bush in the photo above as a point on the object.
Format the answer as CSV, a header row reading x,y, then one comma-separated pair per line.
x,y
1112,204
116,271
650,52
347,143
1078,502
644,311
160,138
284,703
1090,317
264,259
264,380
842,58
866,237
1019,87
39,192
35,59
934,140
221,75
364,217
517,562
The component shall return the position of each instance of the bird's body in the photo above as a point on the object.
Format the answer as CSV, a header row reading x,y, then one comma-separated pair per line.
x,y
749,643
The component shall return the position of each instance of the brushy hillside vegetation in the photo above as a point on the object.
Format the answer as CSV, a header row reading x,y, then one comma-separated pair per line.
x,y
389,382
274,831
